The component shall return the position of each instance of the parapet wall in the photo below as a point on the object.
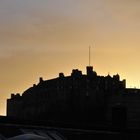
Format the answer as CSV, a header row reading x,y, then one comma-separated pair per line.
x,y
70,98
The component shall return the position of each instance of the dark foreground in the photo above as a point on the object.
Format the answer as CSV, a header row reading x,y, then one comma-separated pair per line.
x,y
16,130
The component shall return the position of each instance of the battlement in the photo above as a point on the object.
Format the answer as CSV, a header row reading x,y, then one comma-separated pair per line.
x,y
78,94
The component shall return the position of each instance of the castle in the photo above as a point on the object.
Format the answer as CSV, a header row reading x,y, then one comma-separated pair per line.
x,y
76,98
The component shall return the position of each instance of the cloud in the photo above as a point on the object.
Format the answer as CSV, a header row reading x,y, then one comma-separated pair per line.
x,y
26,25
31,25
33,32
124,8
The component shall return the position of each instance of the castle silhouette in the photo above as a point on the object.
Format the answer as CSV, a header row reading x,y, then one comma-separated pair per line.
x,y
78,98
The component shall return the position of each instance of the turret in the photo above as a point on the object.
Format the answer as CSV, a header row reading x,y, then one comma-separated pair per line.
x,y
41,80
116,77
90,71
61,75
76,73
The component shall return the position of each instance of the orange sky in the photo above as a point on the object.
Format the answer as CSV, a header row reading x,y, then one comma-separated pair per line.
x,y
45,37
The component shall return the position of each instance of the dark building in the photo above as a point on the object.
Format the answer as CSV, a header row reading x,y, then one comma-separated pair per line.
x,y
76,98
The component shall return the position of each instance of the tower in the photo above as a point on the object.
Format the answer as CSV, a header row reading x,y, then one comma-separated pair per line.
x,y
89,68
89,55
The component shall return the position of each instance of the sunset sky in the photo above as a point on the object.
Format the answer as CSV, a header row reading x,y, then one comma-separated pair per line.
x,y
40,38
